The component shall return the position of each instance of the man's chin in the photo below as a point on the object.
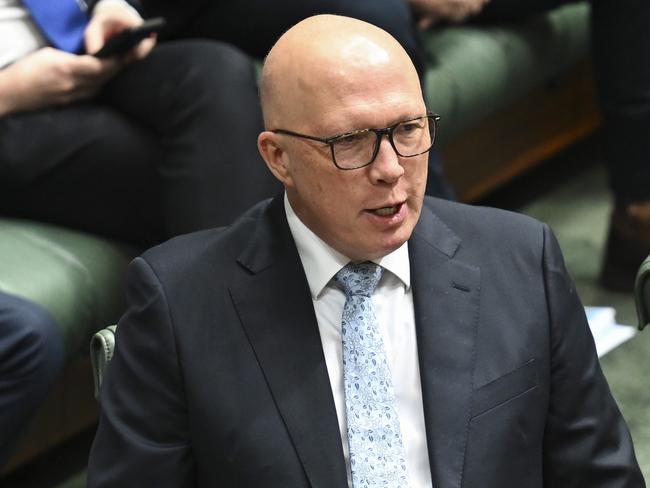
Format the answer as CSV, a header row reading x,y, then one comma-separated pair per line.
x,y
378,252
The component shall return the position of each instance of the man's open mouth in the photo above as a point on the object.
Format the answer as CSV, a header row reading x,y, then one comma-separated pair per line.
x,y
386,211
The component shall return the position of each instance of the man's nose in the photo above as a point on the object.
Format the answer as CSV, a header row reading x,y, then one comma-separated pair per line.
x,y
386,167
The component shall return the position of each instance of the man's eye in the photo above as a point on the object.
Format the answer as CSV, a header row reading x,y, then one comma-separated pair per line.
x,y
410,127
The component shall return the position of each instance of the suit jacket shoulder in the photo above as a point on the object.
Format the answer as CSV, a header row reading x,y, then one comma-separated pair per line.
x,y
472,224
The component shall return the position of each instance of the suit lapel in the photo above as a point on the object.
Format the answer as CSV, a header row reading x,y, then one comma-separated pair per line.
x,y
277,314
446,295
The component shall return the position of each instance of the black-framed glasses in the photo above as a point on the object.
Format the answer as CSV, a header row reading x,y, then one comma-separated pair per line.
x,y
359,148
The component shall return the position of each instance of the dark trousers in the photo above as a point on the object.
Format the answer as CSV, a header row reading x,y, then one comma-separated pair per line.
x,y
169,147
621,46
31,358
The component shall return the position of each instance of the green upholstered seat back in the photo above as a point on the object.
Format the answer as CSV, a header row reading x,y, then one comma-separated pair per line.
x,y
475,70
77,277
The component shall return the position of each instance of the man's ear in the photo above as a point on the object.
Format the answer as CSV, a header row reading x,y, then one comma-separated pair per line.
x,y
276,157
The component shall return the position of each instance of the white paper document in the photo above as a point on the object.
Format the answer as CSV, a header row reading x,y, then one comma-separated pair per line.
x,y
607,333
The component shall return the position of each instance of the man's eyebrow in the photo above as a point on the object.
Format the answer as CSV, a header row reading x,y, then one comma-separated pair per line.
x,y
395,121
328,133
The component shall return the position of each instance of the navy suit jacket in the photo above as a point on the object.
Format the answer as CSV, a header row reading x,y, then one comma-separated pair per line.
x,y
219,377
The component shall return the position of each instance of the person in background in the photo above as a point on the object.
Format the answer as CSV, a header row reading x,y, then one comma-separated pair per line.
x,y
31,357
351,331
137,148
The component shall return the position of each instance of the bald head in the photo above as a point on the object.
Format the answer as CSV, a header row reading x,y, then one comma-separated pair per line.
x,y
326,59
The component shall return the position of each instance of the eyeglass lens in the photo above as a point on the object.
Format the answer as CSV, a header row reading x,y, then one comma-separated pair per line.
x,y
410,138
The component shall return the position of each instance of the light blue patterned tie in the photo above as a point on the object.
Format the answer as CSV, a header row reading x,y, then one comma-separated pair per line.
x,y
376,451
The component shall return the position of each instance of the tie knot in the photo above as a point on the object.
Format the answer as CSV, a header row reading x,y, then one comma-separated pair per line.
x,y
359,278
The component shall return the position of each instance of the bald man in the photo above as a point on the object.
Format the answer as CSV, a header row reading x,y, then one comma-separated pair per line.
x,y
233,369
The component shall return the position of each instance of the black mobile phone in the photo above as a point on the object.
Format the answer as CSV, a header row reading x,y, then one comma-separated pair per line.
x,y
128,38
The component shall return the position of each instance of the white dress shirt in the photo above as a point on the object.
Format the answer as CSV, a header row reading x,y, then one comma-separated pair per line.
x,y
19,35
393,301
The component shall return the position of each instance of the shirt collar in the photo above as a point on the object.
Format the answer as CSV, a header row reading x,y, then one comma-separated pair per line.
x,y
321,262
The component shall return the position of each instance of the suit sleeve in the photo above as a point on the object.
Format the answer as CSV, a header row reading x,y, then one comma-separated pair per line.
x,y
587,442
142,438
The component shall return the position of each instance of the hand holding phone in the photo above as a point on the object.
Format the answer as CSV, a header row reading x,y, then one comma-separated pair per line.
x,y
127,39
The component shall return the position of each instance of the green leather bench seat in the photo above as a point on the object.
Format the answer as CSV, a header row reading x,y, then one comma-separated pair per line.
x,y
77,277
475,71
